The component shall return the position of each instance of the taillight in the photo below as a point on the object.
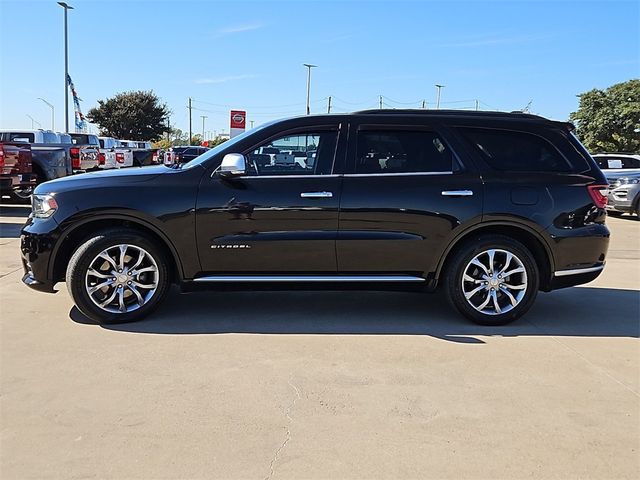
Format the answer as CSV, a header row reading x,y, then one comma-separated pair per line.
x,y
101,158
75,158
598,194
120,157
1,156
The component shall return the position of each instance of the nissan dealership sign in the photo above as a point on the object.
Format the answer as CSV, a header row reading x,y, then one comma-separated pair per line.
x,y
238,122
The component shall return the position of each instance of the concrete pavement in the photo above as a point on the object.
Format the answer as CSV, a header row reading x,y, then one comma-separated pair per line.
x,y
322,385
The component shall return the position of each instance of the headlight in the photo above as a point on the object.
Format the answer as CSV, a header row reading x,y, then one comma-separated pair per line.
x,y
43,206
628,181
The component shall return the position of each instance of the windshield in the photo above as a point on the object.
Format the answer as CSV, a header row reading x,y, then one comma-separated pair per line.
x,y
223,146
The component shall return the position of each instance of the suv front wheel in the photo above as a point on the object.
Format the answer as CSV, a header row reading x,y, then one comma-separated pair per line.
x,y
117,276
492,280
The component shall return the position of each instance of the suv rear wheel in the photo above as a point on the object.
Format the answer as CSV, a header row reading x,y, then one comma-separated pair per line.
x,y
492,280
117,276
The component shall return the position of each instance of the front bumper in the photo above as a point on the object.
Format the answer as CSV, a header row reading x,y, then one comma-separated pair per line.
x,y
36,246
621,199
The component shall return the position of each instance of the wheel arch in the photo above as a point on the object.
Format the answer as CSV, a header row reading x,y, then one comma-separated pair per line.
x,y
80,231
526,235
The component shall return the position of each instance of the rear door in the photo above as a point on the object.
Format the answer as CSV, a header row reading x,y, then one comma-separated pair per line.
x,y
404,197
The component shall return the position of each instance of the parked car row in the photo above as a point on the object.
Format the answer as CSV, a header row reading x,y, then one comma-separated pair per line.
x,y
30,157
623,175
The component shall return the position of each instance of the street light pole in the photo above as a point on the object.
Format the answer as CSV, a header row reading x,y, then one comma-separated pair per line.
x,y
439,87
309,67
203,118
33,122
66,66
52,112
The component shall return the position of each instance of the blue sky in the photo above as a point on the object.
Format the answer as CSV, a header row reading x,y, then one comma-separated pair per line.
x,y
250,55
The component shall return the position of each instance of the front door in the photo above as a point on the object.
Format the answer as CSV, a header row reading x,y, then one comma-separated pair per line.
x,y
403,199
281,217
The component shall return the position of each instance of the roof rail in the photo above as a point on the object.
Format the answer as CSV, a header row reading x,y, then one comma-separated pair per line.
x,y
422,111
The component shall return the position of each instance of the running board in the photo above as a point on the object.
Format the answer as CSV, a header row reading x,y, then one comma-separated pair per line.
x,y
309,278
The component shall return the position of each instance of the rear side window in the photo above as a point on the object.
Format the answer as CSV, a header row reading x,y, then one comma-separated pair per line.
x,y
397,151
617,162
507,150
18,137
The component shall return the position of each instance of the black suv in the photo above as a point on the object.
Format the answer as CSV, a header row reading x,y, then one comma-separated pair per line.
x,y
490,207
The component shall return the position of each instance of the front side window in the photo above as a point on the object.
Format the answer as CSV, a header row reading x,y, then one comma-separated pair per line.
x,y
296,154
507,150
380,152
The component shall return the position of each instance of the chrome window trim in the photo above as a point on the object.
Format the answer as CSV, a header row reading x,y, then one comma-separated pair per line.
x,y
578,271
309,278
400,174
332,175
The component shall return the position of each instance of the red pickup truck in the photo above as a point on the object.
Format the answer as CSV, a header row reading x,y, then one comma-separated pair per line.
x,y
16,173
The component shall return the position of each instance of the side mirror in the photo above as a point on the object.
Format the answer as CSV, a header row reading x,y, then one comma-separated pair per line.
x,y
233,164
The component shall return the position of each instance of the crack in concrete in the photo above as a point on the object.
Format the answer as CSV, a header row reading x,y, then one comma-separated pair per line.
x,y
9,273
288,431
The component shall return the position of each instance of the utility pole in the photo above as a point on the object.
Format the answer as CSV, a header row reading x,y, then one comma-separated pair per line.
x,y
329,105
203,119
168,130
52,112
439,87
251,122
189,107
380,102
477,105
424,104
66,67
309,67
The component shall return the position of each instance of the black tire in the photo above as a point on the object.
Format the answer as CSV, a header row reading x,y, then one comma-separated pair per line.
x,y
87,252
614,213
453,281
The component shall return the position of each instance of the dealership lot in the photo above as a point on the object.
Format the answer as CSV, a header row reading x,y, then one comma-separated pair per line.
x,y
322,385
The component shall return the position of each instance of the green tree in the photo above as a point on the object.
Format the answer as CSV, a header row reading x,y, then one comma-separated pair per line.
x,y
609,120
135,115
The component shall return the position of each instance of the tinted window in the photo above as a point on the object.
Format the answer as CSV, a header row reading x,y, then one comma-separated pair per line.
x,y
402,152
49,137
516,151
298,154
617,162
18,137
80,139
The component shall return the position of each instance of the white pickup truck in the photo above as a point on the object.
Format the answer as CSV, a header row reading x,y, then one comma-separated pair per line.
x,y
113,154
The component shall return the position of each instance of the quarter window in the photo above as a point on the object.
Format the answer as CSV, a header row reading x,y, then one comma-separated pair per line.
x,y
402,152
296,154
507,150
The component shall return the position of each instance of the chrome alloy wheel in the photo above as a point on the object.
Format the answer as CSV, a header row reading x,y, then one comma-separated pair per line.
x,y
494,282
121,278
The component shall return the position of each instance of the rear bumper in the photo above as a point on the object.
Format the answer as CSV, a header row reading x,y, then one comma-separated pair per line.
x,y
576,276
20,180
579,254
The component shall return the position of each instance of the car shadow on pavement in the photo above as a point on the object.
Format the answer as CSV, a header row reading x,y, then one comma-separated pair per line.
x,y
577,312
15,211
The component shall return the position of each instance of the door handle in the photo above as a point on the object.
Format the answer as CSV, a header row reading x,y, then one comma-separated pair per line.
x,y
316,195
457,193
